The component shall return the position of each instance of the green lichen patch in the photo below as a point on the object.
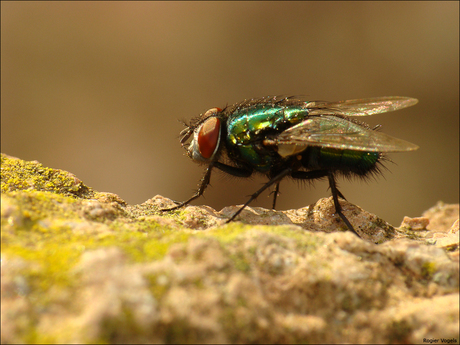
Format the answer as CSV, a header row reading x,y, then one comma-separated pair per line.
x,y
22,175
42,223
27,208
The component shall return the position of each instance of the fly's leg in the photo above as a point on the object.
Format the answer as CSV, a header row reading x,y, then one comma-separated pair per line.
x,y
276,180
338,209
276,192
203,184
316,174
235,171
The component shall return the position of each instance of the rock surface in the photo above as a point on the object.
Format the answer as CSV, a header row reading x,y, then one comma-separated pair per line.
x,y
83,266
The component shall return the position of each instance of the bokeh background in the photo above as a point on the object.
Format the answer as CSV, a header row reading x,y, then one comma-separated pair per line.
x,y
97,88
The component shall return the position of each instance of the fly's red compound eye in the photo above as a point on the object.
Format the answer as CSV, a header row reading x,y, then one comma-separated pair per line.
x,y
208,136
211,112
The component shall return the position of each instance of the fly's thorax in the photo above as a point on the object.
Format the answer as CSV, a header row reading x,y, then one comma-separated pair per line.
x,y
245,124
206,137
248,128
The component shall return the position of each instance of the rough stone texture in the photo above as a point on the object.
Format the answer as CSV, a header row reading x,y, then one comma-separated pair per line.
x,y
83,266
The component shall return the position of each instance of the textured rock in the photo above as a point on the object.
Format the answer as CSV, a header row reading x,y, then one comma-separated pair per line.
x,y
83,266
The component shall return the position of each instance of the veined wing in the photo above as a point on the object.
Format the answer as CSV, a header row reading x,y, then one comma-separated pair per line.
x,y
339,133
361,107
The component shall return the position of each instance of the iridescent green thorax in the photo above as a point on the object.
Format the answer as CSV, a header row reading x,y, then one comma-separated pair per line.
x,y
248,126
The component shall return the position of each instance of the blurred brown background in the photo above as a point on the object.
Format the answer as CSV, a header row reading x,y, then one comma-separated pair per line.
x,y
97,89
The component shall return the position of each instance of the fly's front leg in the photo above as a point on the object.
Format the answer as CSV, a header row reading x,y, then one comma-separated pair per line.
x,y
235,171
203,184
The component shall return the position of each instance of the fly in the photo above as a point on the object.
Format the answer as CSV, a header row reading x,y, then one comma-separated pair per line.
x,y
290,137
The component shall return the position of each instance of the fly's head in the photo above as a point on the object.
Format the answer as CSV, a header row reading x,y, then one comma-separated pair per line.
x,y
206,132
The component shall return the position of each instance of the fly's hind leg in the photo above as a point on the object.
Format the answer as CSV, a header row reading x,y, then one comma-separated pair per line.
x,y
338,209
317,174
276,192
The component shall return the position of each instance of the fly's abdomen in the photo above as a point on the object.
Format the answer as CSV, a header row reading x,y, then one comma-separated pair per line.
x,y
345,161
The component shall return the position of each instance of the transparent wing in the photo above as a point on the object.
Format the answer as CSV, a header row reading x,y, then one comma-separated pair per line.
x,y
340,133
361,107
